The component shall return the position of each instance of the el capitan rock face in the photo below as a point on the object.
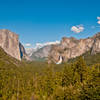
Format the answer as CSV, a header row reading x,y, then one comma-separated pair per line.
x,y
9,41
72,47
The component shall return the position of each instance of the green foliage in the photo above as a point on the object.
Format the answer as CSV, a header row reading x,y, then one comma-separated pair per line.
x,y
42,81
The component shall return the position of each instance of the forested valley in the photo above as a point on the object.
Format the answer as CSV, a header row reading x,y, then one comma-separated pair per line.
x,y
42,81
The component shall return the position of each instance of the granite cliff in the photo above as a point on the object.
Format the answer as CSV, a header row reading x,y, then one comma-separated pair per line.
x,y
9,41
72,47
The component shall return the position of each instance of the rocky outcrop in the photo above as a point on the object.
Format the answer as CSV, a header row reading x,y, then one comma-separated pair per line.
x,y
9,41
72,47
96,45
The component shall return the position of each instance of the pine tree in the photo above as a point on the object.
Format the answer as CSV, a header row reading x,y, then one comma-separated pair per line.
x,y
80,68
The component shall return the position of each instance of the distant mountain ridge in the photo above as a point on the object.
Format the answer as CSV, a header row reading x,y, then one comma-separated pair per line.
x,y
42,53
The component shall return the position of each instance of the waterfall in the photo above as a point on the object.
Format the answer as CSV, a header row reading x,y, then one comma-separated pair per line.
x,y
60,60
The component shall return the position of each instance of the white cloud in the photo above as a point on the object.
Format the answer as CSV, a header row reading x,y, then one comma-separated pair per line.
x,y
28,45
77,29
40,45
98,22
98,18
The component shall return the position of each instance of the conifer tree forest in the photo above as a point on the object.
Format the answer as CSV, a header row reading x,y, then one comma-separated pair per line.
x,y
42,81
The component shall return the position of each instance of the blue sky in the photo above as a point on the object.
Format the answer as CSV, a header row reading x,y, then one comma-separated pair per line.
x,y
50,20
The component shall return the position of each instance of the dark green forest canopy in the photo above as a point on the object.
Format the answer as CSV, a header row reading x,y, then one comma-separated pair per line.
x,y
78,79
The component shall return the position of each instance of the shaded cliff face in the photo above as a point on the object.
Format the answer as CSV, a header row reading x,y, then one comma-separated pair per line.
x,y
23,54
72,47
9,41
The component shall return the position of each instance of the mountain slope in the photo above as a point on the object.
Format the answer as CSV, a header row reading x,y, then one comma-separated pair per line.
x,y
7,60
89,59
42,53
